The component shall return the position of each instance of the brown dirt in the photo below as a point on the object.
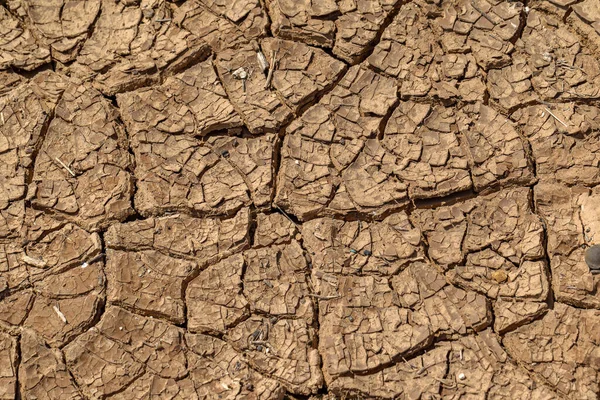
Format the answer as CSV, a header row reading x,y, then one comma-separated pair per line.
x,y
401,211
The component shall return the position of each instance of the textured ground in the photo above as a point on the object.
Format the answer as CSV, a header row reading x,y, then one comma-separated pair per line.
x,y
402,214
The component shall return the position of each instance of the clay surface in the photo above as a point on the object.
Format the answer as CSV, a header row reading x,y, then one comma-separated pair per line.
x,y
299,199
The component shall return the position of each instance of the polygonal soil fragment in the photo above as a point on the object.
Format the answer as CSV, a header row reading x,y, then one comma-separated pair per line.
x,y
432,158
571,217
409,50
148,282
215,299
253,159
368,322
192,102
25,113
217,369
204,240
498,153
285,349
275,281
302,72
132,45
123,346
81,170
495,229
260,108
18,47
569,361
273,229
564,141
8,367
510,314
355,247
42,372
62,25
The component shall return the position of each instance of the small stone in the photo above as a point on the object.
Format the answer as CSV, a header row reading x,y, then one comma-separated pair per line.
x,y
298,237
225,153
499,276
462,376
148,12
367,252
592,258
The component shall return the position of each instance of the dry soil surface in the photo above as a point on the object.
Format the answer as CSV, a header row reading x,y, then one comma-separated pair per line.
x,y
400,211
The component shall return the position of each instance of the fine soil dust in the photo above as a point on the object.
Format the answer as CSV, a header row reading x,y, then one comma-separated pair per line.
x,y
326,199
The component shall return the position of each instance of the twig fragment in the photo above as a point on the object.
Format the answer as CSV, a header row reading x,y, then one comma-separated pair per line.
x,y
555,117
65,166
60,314
288,217
483,13
271,69
321,297
409,364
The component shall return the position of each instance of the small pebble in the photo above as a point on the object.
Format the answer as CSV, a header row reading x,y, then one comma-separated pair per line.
x,y
367,252
462,376
249,387
353,251
225,153
148,12
500,276
592,258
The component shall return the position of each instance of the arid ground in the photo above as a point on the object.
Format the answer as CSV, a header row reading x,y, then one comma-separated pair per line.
x,y
302,199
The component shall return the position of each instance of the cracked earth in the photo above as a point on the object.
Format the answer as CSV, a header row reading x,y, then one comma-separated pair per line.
x,y
326,199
